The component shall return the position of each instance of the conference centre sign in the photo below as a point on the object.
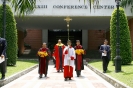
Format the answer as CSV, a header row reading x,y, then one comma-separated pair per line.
x,y
75,6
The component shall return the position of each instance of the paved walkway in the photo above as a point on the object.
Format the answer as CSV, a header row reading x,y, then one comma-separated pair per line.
x,y
55,80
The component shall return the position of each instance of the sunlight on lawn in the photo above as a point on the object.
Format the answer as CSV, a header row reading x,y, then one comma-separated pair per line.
x,y
126,76
20,66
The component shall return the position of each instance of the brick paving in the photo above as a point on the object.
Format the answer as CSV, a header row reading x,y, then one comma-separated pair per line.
x,y
88,79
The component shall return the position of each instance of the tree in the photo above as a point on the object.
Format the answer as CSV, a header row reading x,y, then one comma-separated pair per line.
x,y
23,7
125,40
11,35
125,3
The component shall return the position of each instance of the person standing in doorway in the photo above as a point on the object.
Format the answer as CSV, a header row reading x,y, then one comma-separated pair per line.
x,y
69,57
54,60
3,46
105,55
43,54
58,55
79,58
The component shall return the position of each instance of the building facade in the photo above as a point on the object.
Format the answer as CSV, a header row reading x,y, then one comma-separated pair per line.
x,y
46,23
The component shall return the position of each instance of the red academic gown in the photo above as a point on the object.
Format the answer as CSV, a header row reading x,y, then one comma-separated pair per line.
x,y
68,61
79,61
57,54
43,62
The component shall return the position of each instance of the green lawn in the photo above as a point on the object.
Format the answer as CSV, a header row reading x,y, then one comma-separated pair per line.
x,y
126,76
21,65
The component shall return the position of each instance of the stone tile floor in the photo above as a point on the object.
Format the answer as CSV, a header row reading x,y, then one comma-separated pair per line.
x,y
88,79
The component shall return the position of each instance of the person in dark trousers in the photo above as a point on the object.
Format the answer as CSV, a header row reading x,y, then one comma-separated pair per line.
x,y
54,60
3,45
79,58
43,54
105,55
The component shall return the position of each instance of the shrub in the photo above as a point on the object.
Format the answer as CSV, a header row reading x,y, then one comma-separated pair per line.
x,y
10,35
124,37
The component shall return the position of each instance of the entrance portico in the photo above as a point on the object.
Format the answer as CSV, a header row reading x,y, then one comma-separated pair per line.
x,y
49,15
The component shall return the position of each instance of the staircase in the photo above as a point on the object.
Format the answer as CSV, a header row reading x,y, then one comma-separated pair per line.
x,y
29,54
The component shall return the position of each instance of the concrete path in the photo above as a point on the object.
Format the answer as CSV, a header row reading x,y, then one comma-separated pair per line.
x,y
88,79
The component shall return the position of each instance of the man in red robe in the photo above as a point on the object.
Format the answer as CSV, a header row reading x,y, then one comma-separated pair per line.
x,y
79,58
58,55
69,57
43,54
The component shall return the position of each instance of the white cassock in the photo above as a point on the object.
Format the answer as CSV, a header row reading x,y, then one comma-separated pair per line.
x,y
69,56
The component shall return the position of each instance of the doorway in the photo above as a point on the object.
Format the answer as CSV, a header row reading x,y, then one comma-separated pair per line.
x,y
55,34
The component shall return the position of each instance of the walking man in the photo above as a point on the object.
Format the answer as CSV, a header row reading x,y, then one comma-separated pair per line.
x,y
43,54
69,57
105,54
58,55
79,58
3,45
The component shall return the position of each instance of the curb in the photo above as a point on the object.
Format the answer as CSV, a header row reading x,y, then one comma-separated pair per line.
x,y
17,75
111,80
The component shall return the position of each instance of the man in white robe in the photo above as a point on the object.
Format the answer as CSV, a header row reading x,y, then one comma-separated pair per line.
x,y
69,56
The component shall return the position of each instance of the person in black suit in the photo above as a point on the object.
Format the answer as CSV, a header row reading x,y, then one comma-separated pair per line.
x,y
105,55
3,45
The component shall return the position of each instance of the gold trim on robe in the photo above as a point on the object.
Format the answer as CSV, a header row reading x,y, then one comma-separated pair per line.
x,y
59,44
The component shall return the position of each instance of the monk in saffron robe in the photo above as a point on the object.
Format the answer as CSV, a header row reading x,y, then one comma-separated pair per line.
x,y
58,55
43,54
79,58
69,57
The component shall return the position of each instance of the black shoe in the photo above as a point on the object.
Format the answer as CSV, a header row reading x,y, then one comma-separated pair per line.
x,y
70,79
2,78
65,79
58,71
77,75
40,76
46,75
104,71
61,70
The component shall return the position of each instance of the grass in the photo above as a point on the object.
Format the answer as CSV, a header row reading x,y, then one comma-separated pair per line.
x,y
126,76
21,65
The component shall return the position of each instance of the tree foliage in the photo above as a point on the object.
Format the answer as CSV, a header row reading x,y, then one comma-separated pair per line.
x,y
91,2
125,3
10,35
124,37
23,7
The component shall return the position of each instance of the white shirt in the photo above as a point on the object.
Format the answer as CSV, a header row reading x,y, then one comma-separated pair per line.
x,y
67,57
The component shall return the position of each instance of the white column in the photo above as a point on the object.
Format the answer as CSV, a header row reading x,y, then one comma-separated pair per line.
x,y
85,38
45,35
